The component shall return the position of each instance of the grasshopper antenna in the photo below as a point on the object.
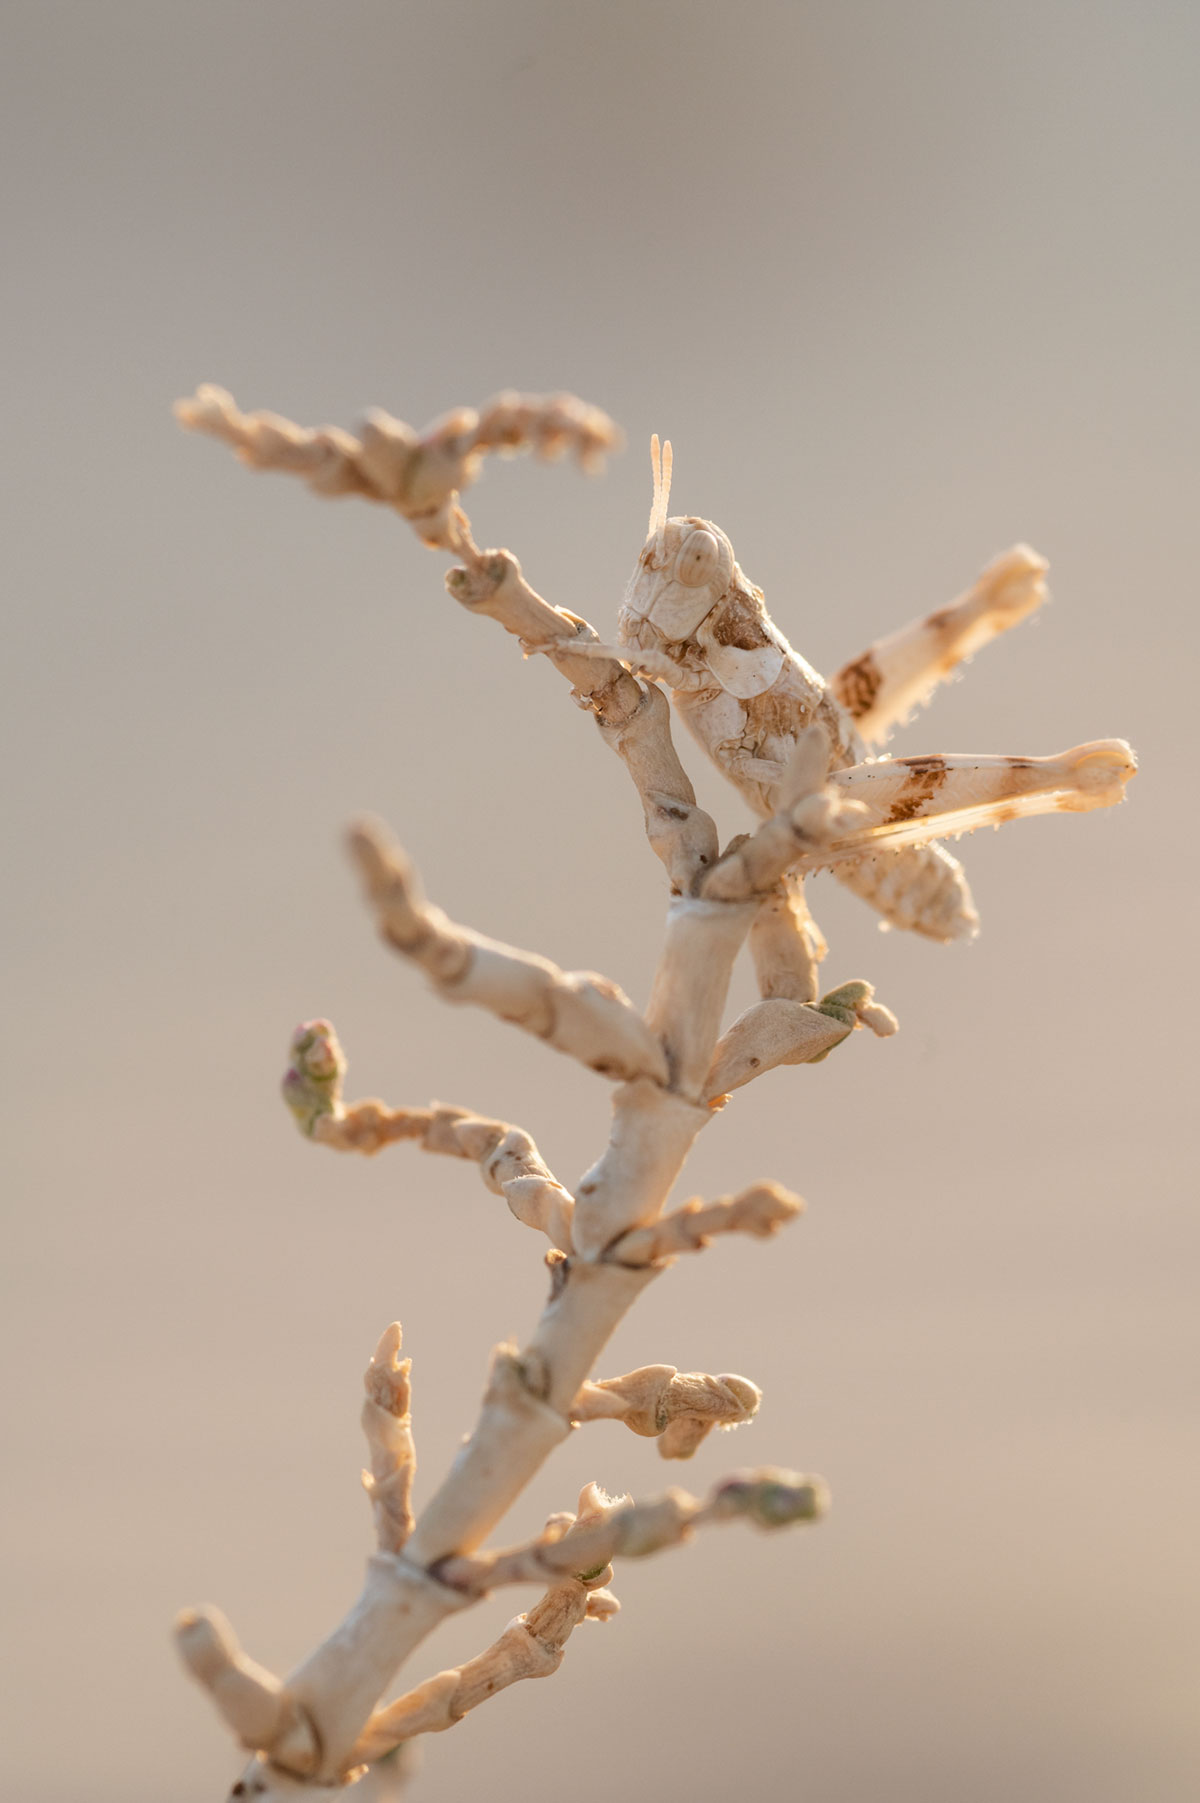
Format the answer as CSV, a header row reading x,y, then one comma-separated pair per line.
x,y
660,465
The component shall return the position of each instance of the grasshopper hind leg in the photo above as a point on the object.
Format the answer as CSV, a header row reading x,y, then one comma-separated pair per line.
x,y
898,674
920,888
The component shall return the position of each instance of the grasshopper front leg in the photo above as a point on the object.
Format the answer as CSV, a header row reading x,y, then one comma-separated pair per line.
x,y
900,672
657,666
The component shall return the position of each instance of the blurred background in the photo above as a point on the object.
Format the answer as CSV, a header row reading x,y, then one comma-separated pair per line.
x,y
903,283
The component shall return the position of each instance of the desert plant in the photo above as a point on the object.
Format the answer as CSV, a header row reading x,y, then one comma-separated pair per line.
x,y
792,744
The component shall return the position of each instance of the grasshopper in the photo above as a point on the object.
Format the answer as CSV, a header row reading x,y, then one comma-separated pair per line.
x,y
692,620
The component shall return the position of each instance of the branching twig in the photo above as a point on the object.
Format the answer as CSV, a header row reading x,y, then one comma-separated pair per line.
x,y
760,1211
509,1162
421,476
531,1646
250,1699
576,1012
417,474
702,628
630,1530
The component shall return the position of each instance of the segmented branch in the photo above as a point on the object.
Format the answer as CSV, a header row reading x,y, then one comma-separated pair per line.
x,y
576,1012
419,474
761,1210
509,1163
531,1646
777,1031
387,1424
677,1408
630,1530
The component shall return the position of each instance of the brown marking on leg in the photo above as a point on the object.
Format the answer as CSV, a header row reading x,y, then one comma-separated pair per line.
x,y
857,685
926,777
945,628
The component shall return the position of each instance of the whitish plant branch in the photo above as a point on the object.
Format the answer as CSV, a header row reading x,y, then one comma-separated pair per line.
x,y
419,474
761,1210
387,1424
630,1530
509,1162
576,1555
681,834
786,944
251,1700
674,1067
634,717
777,1031
526,1408
531,1646
576,1012
677,1408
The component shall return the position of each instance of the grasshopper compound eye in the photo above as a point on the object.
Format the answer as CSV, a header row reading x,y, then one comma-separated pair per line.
x,y
699,559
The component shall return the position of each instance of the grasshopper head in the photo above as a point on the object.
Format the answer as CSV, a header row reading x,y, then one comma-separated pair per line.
x,y
685,567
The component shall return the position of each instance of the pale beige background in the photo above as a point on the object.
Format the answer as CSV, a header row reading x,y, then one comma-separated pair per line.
x,y
904,283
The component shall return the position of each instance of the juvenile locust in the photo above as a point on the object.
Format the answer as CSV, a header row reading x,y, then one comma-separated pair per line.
x,y
692,620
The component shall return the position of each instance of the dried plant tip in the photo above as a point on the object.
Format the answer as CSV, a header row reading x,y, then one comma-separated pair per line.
x,y
768,1034
312,1085
761,1210
632,1530
679,1409
387,1379
251,1699
387,1424
770,1499
777,1031
854,1004
595,1503
550,425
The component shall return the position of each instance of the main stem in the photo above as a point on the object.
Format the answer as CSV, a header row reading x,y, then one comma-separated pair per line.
x,y
524,1414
